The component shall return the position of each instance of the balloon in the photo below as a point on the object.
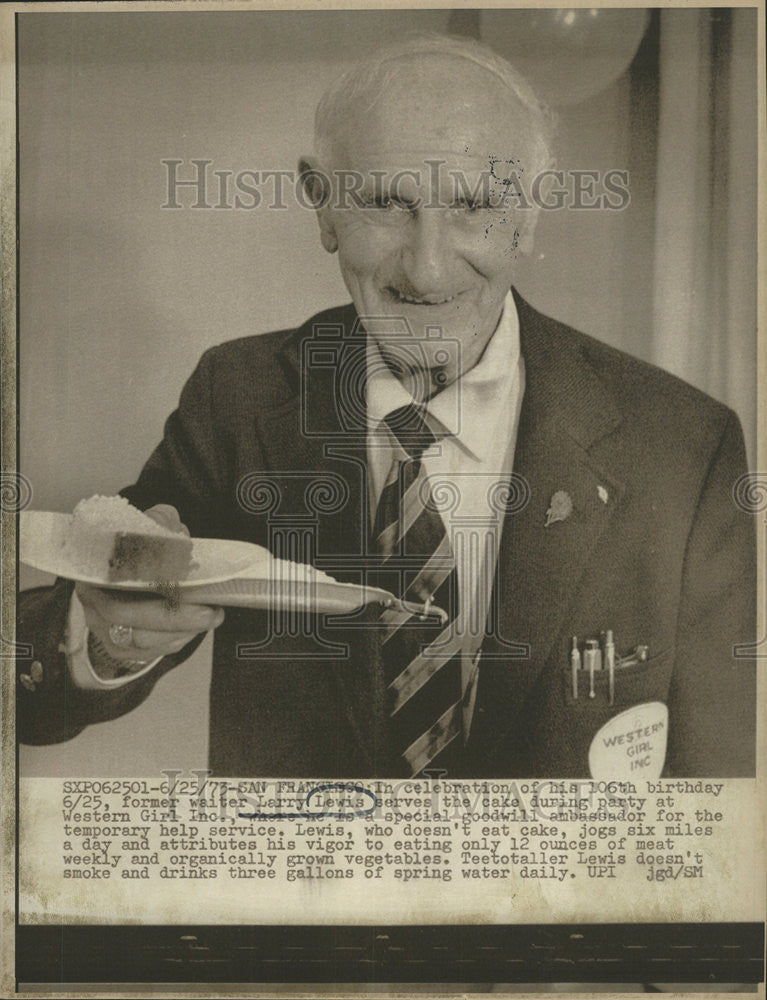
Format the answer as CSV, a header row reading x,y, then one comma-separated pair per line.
x,y
567,54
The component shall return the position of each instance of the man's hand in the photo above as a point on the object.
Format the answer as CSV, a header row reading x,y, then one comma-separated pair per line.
x,y
157,627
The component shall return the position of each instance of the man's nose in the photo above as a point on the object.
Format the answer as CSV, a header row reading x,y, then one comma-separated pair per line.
x,y
427,256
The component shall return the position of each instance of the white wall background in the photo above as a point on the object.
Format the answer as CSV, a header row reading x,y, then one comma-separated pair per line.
x,y
118,297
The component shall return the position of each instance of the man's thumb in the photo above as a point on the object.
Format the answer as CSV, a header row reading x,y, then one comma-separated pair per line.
x,y
167,517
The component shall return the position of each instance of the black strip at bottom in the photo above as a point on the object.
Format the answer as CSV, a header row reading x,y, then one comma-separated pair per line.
x,y
530,953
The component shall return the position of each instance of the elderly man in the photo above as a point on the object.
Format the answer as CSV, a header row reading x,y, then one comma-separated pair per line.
x,y
566,506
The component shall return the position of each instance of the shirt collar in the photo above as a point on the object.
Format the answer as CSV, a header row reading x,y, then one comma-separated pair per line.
x,y
468,407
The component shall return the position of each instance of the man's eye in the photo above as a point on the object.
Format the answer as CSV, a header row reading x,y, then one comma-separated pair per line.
x,y
383,201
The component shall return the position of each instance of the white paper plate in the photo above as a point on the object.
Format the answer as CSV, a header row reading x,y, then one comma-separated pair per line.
x,y
41,545
231,573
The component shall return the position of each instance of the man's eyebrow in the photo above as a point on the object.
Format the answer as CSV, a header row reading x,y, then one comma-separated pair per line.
x,y
481,199
384,190
466,198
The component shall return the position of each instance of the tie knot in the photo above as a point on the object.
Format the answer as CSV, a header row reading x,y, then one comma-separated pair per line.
x,y
409,427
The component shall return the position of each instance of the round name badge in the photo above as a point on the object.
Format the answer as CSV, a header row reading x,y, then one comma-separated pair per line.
x,y
631,745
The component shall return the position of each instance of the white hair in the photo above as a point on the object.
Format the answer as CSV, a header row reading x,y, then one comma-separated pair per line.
x,y
367,82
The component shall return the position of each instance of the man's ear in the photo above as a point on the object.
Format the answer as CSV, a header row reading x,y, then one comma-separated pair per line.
x,y
318,189
526,237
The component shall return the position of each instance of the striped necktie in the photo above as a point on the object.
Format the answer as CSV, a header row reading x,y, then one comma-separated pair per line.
x,y
421,660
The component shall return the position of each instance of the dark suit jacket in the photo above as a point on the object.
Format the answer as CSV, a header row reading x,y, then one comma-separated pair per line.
x,y
667,561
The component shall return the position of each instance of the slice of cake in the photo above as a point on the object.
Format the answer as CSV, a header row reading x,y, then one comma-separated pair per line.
x,y
110,539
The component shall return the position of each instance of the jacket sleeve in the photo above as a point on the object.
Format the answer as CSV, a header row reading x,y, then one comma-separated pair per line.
x,y
49,707
182,471
185,469
712,699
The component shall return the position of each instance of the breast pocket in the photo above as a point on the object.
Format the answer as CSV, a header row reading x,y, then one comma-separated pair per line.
x,y
625,738
646,681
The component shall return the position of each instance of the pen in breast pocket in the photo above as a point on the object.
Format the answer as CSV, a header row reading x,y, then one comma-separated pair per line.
x,y
637,655
575,665
610,663
592,661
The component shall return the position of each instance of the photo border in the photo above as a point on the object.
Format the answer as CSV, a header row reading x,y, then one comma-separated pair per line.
x,y
576,953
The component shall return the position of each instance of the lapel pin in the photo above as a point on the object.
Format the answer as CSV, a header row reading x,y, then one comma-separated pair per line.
x,y
602,493
560,508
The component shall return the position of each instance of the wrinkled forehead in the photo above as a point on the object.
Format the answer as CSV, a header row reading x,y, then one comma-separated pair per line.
x,y
437,107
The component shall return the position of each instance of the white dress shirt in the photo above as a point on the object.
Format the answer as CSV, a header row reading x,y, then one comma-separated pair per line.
x,y
468,468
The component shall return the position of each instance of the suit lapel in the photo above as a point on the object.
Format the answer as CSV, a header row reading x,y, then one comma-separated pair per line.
x,y
315,446
315,442
565,412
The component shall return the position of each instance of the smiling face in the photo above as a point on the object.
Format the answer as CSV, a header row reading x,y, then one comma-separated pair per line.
x,y
420,222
